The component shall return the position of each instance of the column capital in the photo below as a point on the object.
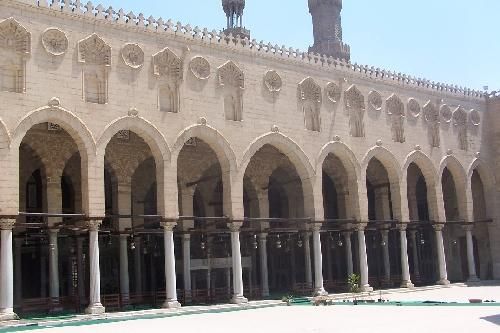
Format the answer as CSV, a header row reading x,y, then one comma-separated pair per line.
x,y
438,227
168,225
347,233
7,223
186,237
360,226
413,233
93,223
402,227
263,236
235,226
468,227
316,226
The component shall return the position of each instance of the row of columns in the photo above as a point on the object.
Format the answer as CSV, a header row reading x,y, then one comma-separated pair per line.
x,y
95,306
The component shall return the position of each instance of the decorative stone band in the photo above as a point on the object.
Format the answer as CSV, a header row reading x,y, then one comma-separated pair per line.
x,y
7,223
316,226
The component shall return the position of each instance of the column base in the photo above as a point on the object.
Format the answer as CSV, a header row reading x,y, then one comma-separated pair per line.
x,y
320,292
407,284
171,305
473,279
366,288
239,300
8,314
95,309
443,282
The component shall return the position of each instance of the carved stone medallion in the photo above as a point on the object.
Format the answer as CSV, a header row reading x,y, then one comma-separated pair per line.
x,y
414,108
475,117
200,67
333,92
273,81
133,56
446,113
375,100
55,41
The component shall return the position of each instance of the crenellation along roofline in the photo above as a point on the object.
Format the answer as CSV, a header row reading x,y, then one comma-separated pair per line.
x,y
139,23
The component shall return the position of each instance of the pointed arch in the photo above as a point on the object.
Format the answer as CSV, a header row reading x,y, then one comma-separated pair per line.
x,y
453,165
387,159
297,157
143,128
4,137
424,163
62,117
488,180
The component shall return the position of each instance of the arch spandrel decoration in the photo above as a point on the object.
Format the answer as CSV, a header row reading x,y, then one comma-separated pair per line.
x,y
431,115
168,68
355,106
396,110
15,48
460,122
95,55
232,80
310,101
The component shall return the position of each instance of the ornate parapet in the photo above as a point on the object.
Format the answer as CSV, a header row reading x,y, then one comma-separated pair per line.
x,y
99,13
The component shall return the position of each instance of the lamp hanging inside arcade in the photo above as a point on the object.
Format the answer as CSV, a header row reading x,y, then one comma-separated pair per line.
x,y
255,244
278,242
340,243
300,243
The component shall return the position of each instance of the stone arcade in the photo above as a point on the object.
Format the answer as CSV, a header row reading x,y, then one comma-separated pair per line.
x,y
147,163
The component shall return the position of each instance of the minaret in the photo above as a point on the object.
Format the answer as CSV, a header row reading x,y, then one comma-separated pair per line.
x,y
327,25
234,13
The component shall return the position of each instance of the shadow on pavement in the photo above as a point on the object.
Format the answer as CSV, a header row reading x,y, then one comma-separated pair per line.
x,y
493,319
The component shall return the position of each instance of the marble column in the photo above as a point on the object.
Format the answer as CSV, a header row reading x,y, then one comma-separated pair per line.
x,y
405,267
385,255
54,267
6,270
138,265
348,252
124,275
186,254
414,249
363,259
319,288
264,275
80,265
470,254
124,194
307,253
170,277
238,297
95,306
443,275
18,286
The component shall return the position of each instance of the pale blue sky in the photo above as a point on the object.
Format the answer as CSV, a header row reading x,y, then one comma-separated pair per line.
x,y
450,41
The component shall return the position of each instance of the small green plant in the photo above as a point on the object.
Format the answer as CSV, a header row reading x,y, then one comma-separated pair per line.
x,y
353,283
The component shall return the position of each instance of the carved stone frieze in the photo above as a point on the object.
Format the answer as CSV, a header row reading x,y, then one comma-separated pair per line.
x,y
375,100
475,117
15,37
431,115
200,68
231,75
133,55
167,63
310,99
272,81
396,110
446,113
54,41
460,122
355,106
94,50
333,92
414,108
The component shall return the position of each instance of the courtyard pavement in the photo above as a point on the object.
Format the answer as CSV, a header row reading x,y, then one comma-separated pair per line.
x,y
340,318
